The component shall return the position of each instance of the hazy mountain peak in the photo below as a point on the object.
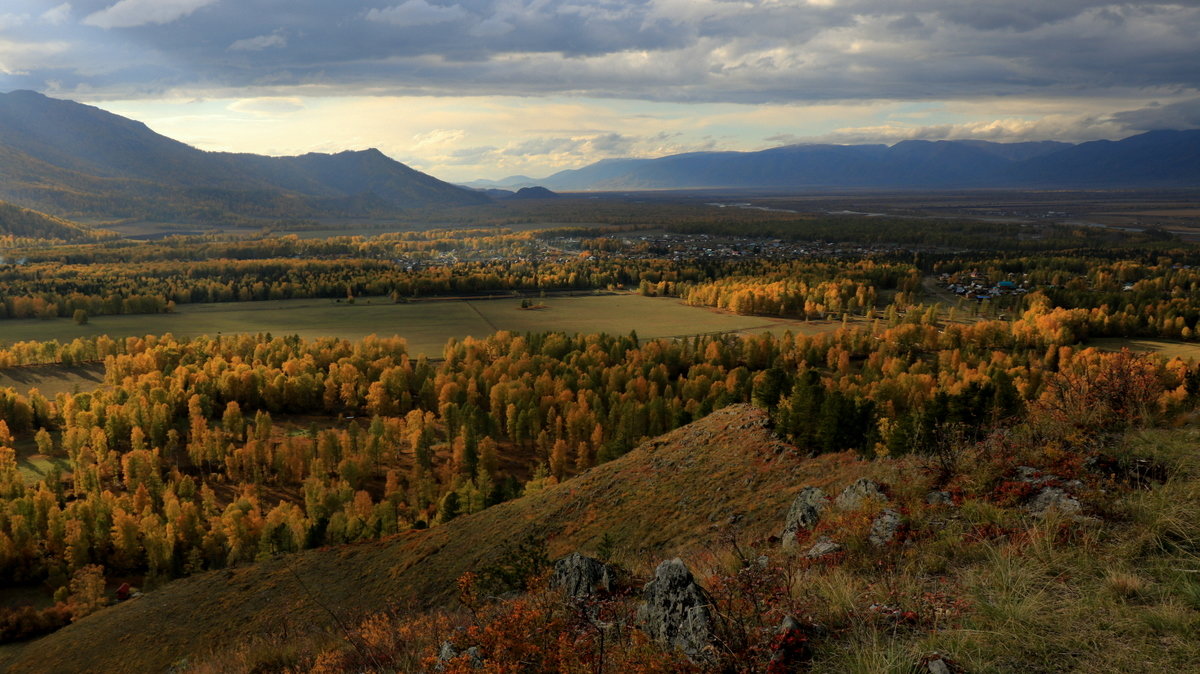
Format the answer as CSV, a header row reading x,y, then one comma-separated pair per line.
x,y
65,157
916,163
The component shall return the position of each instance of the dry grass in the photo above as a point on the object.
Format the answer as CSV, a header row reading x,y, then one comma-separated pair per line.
x,y
1166,348
426,325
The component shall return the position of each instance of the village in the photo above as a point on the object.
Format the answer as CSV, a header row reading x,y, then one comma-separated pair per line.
x,y
974,286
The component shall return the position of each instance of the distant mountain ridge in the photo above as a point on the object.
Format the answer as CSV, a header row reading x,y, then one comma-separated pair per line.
x,y
76,160
1156,159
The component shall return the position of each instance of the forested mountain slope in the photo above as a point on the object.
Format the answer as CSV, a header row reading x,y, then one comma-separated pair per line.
x,y
24,223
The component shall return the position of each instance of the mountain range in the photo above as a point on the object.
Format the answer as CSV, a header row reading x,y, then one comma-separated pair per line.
x,y
1156,159
75,160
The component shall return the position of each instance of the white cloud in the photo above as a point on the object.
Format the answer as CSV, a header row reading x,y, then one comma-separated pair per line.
x,y
417,13
259,43
268,106
438,137
59,15
130,13
17,58
12,20
1070,128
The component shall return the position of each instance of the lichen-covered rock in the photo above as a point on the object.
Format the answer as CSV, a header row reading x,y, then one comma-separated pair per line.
x,y
823,546
939,498
1053,498
854,496
675,611
579,576
805,512
884,528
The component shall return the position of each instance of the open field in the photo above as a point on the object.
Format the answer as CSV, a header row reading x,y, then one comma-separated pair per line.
x,y
426,325
1163,347
35,468
51,380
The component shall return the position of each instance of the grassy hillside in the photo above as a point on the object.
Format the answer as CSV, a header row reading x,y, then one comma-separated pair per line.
x,y
664,498
980,578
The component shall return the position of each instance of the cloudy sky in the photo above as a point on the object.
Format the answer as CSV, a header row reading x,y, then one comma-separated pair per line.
x,y
488,88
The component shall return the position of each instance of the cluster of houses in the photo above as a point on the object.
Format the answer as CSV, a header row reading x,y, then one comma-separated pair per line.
x,y
973,286
685,247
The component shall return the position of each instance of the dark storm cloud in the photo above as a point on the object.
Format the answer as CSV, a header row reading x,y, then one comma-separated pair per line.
x,y
681,50
1181,115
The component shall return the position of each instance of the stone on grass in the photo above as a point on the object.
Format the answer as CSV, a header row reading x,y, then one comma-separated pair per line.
x,y
823,546
854,496
884,528
675,611
791,651
939,498
579,576
1053,499
805,512
938,666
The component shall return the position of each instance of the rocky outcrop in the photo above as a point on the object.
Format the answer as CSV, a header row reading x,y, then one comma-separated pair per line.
x,y
579,576
811,502
676,611
1052,495
857,494
805,512
884,528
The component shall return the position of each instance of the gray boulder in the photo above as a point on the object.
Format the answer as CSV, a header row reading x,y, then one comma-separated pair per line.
x,y
675,611
448,652
579,576
884,528
939,498
854,496
823,546
938,666
805,512
1053,498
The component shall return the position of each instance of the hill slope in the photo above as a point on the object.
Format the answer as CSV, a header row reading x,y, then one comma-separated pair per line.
x,y
64,157
671,494
1155,159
